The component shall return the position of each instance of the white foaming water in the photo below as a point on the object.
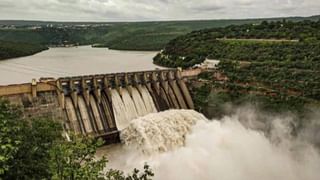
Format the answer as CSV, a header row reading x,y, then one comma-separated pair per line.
x,y
148,101
129,104
119,109
137,99
160,132
127,108
184,145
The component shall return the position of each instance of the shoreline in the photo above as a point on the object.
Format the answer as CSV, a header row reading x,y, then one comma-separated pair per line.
x,y
128,49
67,47
16,57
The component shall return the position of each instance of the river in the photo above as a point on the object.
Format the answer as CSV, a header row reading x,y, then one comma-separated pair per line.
x,y
74,61
182,144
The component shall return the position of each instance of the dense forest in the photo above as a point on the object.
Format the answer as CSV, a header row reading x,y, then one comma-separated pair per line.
x,y
23,42
53,35
274,87
272,65
281,40
12,49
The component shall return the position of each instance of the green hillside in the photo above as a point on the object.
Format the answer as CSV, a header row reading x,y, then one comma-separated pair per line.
x,y
11,49
53,36
23,42
281,40
272,65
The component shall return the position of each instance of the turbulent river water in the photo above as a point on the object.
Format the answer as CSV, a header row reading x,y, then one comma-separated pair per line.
x,y
75,61
183,144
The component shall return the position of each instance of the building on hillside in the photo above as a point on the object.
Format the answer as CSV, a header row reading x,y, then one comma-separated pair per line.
x,y
208,64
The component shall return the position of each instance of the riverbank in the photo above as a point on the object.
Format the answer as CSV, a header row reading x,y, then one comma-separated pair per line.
x,y
142,49
9,50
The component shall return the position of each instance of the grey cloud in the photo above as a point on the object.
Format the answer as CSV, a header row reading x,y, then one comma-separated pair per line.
x,y
245,2
118,10
7,4
208,8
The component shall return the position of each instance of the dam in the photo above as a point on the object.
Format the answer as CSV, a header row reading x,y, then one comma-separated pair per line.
x,y
102,105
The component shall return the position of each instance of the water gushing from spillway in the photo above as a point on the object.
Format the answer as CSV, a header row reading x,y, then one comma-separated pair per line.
x,y
160,132
103,105
147,99
119,109
140,105
129,104
180,144
127,107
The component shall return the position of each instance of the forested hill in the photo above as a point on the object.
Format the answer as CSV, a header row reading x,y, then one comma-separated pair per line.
x,y
24,42
273,65
281,40
12,49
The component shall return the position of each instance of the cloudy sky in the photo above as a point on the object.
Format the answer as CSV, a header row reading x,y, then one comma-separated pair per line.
x,y
144,10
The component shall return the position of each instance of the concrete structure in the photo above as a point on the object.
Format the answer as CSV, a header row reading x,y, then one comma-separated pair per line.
x,y
80,102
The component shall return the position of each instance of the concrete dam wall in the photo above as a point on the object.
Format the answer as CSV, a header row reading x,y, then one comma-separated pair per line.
x,y
102,105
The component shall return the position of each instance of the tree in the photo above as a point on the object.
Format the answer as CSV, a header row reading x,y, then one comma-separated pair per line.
x,y
35,149
10,138
136,175
75,159
25,144
32,159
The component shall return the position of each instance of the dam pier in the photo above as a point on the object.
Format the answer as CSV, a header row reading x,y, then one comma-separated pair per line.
x,y
102,105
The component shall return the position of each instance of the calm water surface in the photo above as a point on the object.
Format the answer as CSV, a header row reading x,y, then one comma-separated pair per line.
x,y
84,60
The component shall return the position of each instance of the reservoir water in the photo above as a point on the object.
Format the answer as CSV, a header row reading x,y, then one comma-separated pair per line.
x,y
75,61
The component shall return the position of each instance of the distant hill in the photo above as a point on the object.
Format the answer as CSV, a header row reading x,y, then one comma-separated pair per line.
x,y
20,23
219,22
114,35
155,35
